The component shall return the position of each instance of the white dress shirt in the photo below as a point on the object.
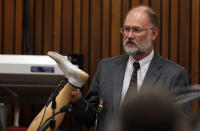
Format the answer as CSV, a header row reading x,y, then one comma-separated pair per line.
x,y
144,65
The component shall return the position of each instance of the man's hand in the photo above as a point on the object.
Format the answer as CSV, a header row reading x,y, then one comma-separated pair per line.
x,y
76,96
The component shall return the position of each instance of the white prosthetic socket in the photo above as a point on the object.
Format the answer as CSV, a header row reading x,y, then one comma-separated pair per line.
x,y
75,76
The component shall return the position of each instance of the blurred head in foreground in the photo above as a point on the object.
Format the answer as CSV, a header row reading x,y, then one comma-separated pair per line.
x,y
151,110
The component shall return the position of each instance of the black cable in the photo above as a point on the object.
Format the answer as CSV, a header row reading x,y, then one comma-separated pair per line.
x,y
42,118
63,109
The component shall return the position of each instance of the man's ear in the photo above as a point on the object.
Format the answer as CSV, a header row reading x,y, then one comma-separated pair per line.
x,y
155,33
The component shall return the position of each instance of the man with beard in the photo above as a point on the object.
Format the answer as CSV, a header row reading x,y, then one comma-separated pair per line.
x,y
113,78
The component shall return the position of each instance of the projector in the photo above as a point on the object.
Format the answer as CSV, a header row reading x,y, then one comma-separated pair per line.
x,y
28,78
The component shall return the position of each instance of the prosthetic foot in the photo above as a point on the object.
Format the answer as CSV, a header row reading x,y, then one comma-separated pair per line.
x,y
76,78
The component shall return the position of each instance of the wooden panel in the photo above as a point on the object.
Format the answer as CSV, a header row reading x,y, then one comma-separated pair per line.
x,y
1,25
57,25
85,43
48,25
135,3
38,45
18,26
125,8
95,45
195,40
67,27
184,39
8,26
155,4
174,30
77,28
165,28
106,29
85,35
31,24
115,30
146,2
195,47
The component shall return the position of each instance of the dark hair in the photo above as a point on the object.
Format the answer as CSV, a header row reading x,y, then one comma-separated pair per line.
x,y
149,111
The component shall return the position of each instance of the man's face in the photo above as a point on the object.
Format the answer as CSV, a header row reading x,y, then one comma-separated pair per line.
x,y
137,35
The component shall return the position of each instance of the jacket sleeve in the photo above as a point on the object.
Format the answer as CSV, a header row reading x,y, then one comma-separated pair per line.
x,y
85,109
180,82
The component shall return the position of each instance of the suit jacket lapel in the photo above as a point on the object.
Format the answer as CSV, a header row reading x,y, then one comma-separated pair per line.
x,y
118,77
153,72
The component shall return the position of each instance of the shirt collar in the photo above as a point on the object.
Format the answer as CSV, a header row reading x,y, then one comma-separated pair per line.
x,y
143,61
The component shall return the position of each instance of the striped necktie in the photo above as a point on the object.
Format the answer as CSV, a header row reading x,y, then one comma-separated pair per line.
x,y
133,83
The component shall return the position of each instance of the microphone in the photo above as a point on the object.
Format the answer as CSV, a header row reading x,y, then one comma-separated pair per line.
x,y
100,106
56,91
45,125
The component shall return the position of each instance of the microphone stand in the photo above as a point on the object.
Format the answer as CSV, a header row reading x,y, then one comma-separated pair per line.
x,y
100,106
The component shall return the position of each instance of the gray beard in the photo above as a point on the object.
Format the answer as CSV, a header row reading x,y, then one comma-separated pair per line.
x,y
136,51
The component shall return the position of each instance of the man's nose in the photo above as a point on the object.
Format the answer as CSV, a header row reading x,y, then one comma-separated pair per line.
x,y
131,34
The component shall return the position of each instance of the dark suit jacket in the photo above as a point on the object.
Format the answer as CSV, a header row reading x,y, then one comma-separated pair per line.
x,y
108,82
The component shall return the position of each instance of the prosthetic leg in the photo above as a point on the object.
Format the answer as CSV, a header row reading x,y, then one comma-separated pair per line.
x,y
76,78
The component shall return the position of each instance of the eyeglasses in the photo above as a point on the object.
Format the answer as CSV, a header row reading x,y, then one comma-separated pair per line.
x,y
135,30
